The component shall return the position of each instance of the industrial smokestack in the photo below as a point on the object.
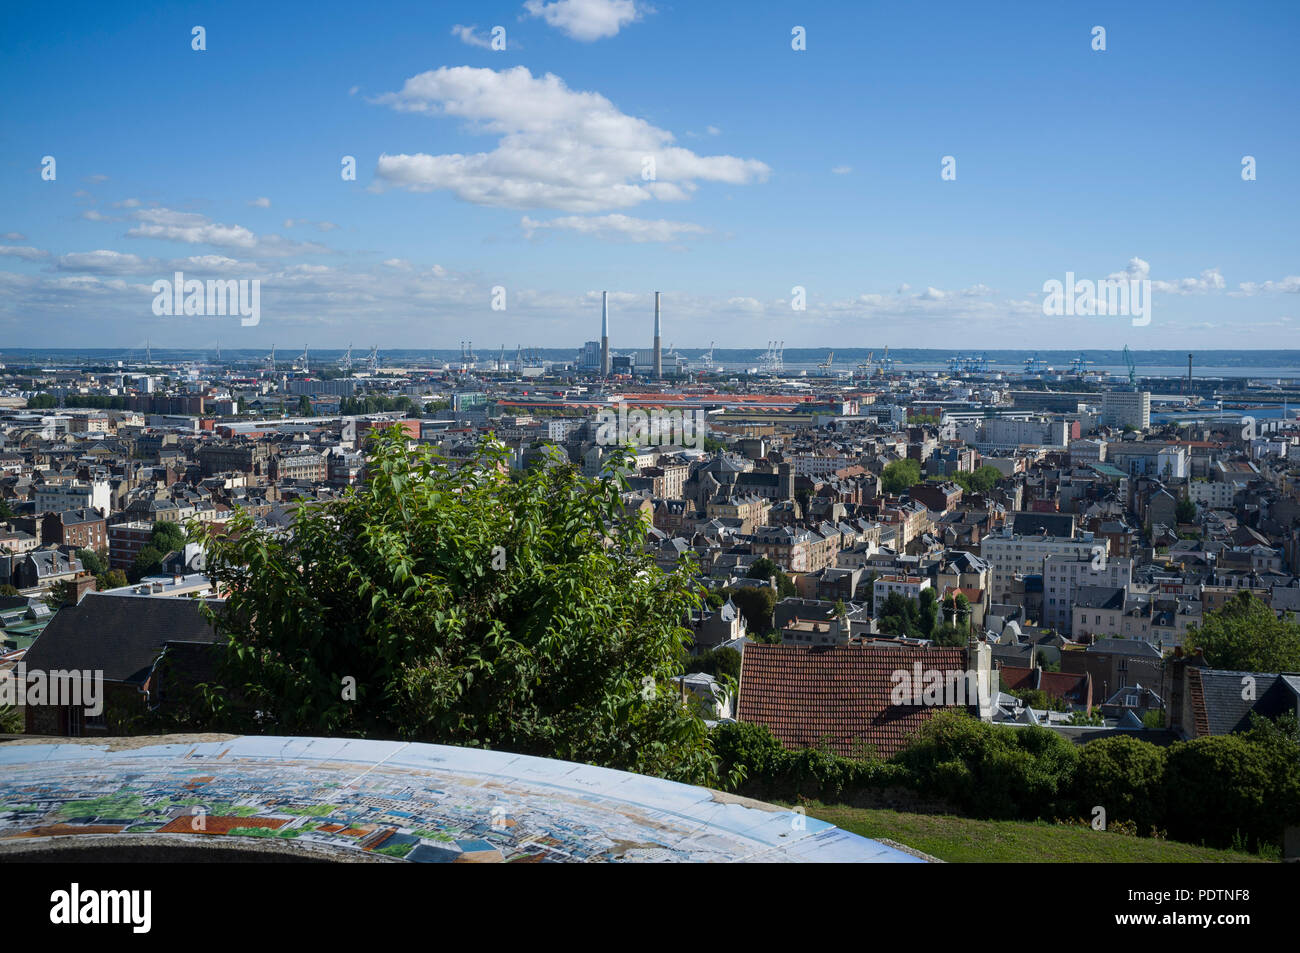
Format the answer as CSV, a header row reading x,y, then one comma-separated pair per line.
x,y
1189,373
604,334
659,351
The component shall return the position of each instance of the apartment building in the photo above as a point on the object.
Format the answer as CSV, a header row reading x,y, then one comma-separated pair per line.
x,y
1064,574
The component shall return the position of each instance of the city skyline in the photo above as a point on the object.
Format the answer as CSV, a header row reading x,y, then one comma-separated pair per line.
x,y
499,192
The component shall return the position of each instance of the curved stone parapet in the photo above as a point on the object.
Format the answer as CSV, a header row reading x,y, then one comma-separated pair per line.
x,y
332,799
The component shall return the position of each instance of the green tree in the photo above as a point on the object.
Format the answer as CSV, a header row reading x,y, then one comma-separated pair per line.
x,y
304,407
1185,511
899,616
113,579
462,608
167,537
90,561
8,590
147,562
1126,776
764,568
756,604
927,612
6,511
899,475
1245,636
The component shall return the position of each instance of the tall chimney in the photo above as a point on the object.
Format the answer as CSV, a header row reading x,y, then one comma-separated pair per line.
x,y
604,334
1189,373
659,351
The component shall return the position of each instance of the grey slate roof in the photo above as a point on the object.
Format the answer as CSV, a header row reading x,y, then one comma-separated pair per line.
x,y
1227,711
121,636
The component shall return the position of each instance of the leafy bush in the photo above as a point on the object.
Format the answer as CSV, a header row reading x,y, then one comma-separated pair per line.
x,y
990,770
464,608
1125,776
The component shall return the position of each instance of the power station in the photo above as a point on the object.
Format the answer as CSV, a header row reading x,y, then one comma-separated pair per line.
x,y
658,345
597,357
604,334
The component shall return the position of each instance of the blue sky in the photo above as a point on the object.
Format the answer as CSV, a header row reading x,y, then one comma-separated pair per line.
x,y
774,168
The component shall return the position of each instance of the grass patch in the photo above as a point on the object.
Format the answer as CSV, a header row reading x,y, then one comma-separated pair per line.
x,y
967,840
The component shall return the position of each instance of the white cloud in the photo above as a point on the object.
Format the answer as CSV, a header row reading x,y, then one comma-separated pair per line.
x,y
103,261
713,130
260,202
13,236
842,169
195,229
558,148
24,252
1288,285
618,226
586,20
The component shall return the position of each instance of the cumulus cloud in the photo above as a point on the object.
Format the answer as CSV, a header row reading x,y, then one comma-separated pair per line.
x,y
25,252
618,226
586,20
14,236
196,229
260,202
1138,270
558,148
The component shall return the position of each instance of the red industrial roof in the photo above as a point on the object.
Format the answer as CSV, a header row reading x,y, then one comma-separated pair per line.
x,y
837,696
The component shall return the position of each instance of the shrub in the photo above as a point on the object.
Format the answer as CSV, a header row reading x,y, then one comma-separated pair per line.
x,y
1126,776
991,770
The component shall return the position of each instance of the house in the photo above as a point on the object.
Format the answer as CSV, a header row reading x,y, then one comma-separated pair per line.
x,y
844,697
1205,701
1074,690
123,637
1115,664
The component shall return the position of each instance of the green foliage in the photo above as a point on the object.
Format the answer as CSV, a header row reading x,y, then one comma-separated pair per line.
x,y
1185,511
927,612
1233,789
760,766
304,406
8,590
756,604
558,651
42,401
374,404
980,481
6,511
1037,698
147,562
719,662
1245,636
992,770
90,561
11,720
764,568
899,475
113,579
914,618
1125,776
167,537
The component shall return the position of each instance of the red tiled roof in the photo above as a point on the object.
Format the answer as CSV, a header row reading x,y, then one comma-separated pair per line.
x,y
1064,685
837,696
